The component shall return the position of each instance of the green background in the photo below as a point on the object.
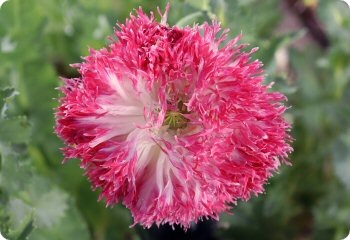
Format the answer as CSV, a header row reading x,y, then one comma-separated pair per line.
x,y
42,199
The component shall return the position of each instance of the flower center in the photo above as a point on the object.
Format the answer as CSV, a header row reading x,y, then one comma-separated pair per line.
x,y
176,119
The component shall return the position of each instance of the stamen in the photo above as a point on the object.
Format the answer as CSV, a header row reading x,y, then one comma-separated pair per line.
x,y
175,120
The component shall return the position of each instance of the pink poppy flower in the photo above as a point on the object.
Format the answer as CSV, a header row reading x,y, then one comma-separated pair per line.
x,y
173,123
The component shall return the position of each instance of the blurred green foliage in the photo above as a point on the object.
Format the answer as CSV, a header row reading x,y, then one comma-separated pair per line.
x,y
42,199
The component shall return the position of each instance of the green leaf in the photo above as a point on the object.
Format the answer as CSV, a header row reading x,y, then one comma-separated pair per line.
x,y
69,226
341,153
7,94
199,4
220,8
189,19
52,211
50,208
14,130
21,219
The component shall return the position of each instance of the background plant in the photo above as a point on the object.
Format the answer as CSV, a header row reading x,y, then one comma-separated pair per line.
x,y
41,199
